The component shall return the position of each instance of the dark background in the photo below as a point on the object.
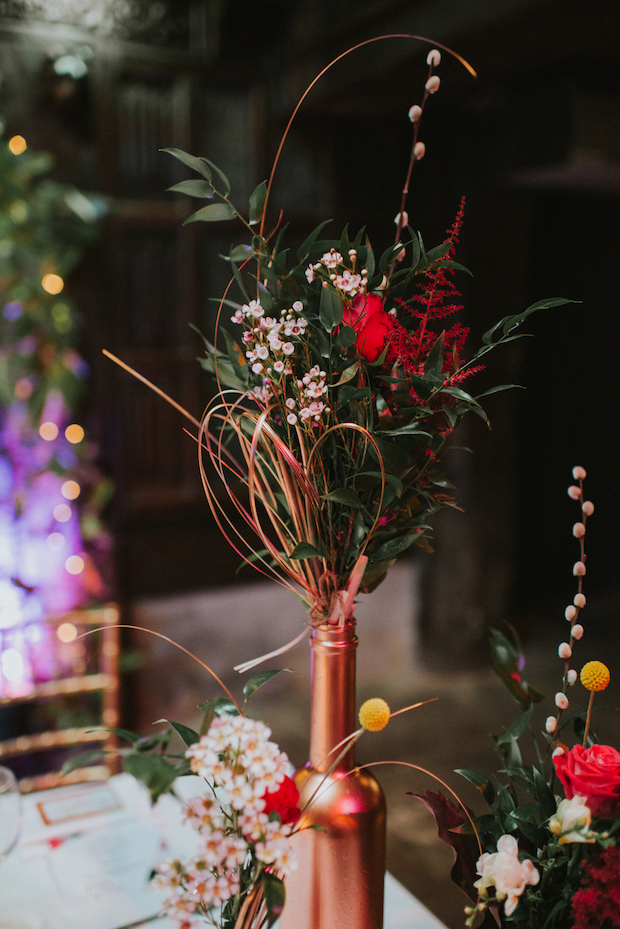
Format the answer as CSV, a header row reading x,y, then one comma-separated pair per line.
x,y
534,145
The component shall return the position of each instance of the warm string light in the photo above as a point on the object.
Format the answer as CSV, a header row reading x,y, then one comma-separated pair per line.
x,y
17,145
52,283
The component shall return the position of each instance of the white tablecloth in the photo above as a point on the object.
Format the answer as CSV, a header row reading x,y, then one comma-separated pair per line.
x,y
86,853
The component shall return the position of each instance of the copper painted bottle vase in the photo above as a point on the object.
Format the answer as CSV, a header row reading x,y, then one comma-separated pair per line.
x,y
338,883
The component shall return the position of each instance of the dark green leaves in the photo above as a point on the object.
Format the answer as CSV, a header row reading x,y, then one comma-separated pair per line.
x,y
155,772
508,663
309,243
506,325
274,894
258,680
196,164
83,759
330,308
346,497
213,213
187,735
257,202
200,189
480,781
302,551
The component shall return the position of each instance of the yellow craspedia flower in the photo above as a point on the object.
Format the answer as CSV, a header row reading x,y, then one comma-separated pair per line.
x,y
595,675
374,714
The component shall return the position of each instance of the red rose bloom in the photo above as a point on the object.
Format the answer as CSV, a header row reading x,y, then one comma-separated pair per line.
x,y
593,773
283,801
371,323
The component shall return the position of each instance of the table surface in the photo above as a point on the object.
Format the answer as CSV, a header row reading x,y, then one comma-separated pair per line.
x,y
86,852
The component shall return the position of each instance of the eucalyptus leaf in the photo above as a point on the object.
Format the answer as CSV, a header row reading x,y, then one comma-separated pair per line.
x,y
197,164
274,895
258,680
330,308
214,213
302,551
155,772
187,735
85,758
221,706
434,361
394,547
194,188
480,781
257,203
345,496
346,337
452,264
308,244
221,176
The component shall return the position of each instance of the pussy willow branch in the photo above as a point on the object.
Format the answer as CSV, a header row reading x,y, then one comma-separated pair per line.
x,y
379,38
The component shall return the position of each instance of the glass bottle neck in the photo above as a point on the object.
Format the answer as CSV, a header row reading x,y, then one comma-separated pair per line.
x,y
332,716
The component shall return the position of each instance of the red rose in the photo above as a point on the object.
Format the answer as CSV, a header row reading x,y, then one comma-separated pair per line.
x,y
283,801
593,773
371,323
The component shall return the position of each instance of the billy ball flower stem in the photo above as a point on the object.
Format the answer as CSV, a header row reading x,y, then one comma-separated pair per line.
x,y
594,676
374,715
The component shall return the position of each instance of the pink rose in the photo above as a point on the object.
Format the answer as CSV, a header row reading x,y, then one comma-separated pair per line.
x,y
283,801
594,773
371,323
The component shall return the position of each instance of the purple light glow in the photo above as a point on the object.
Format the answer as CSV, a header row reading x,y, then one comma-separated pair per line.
x,y
39,532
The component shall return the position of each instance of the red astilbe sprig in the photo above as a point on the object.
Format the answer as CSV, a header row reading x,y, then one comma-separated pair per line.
x,y
437,299
597,901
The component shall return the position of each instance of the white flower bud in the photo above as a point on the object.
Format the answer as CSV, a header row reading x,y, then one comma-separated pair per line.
x,y
433,57
574,492
419,150
415,113
579,473
561,700
551,723
579,569
432,85
587,508
577,631
579,530
558,751
579,600
402,219
565,651
571,677
570,612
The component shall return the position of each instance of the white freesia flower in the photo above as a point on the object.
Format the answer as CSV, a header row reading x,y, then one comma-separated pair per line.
x,y
572,821
503,870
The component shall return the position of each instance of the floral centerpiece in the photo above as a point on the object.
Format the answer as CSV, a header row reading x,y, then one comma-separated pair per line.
x,y
549,842
341,377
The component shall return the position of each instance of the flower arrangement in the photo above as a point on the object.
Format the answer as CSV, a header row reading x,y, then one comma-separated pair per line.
x,y
340,382
549,856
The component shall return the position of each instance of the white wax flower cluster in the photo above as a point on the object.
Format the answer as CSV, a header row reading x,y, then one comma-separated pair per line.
x,y
503,871
238,758
308,402
331,267
269,341
241,765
